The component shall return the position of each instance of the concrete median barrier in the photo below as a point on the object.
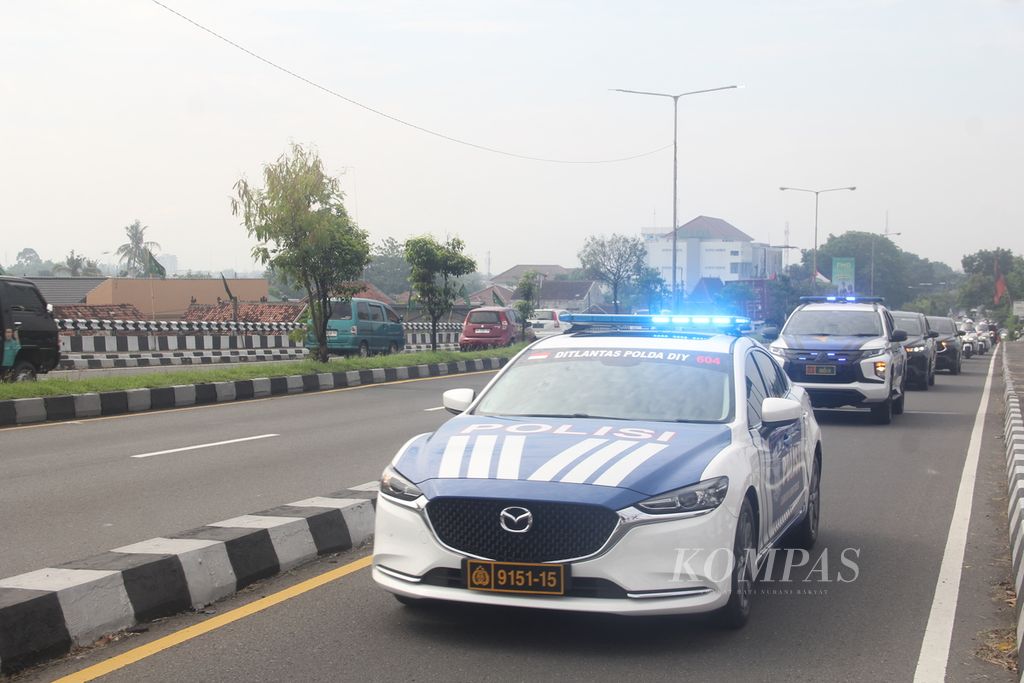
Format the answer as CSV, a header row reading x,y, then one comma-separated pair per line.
x,y
1013,438
43,614
79,406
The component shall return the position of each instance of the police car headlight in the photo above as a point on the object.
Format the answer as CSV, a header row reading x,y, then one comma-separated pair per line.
x,y
707,495
871,353
395,485
915,349
780,352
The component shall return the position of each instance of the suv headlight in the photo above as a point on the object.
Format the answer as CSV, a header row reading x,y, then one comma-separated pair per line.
x,y
871,353
395,485
915,349
707,495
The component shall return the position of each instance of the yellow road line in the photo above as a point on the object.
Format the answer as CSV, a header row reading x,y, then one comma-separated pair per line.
x,y
171,411
178,637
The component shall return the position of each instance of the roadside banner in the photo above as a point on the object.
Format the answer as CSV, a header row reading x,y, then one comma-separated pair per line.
x,y
843,272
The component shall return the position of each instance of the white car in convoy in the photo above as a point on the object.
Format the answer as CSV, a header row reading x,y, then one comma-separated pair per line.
x,y
547,322
634,465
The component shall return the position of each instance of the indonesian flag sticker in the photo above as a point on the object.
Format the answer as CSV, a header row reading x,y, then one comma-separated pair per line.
x,y
537,356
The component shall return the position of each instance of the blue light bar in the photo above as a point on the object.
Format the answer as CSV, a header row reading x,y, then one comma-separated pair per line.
x,y
723,323
842,299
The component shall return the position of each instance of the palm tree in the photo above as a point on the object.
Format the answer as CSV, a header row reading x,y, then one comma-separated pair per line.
x,y
134,254
77,265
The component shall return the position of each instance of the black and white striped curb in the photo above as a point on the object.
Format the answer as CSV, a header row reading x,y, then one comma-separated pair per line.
x,y
77,406
89,361
129,343
45,613
1013,433
92,325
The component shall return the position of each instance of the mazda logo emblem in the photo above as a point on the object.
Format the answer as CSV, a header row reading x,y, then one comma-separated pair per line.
x,y
516,520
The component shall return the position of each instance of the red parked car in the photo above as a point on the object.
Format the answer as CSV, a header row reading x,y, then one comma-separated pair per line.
x,y
490,326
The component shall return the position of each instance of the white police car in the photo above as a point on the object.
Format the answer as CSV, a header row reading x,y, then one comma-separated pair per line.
x,y
634,465
845,351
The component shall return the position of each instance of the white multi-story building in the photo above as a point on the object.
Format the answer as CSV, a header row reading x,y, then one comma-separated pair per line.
x,y
710,247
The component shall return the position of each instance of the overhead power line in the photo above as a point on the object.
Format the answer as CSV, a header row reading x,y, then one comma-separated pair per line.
x,y
385,115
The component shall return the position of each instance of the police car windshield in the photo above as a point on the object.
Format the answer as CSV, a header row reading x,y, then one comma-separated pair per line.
x,y
834,323
616,384
911,324
943,325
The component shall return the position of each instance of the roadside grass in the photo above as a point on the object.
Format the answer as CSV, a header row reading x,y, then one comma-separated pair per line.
x,y
63,387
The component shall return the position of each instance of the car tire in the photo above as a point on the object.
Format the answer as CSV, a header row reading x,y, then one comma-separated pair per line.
x,y
23,372
805,533
923,383
881,414
364,350
899,404
931,378
955,370
392,348
737,610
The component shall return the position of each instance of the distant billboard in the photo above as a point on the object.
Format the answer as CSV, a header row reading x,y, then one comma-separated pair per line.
x,y
843,272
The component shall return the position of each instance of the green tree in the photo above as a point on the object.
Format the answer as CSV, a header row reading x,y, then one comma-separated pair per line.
x,y
136,255
435,269
978,290
616,261
649,291
303,231
27,259
388,271
782,296
77,265
527,292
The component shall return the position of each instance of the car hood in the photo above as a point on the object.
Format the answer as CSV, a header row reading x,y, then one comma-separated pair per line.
x,y
813,342
915,340
608,462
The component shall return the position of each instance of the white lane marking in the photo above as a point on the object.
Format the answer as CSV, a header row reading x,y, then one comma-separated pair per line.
x,y
594,461
511,455
548,470
451,459
931,664
614,475
430,410
480,456
205,445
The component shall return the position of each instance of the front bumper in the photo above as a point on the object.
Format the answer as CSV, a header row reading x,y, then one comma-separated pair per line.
x,y
678,566
917,365
852,394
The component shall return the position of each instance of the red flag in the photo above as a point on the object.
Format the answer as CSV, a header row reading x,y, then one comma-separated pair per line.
x,y
1000,290
1000,284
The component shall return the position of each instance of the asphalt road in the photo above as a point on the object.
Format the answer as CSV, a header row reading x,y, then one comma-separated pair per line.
x,y
70,490
887,491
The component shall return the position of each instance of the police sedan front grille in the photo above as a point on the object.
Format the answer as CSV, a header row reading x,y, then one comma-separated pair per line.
x,y
560,531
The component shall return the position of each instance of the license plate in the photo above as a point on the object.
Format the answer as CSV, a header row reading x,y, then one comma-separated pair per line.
x,y
820,370
332,333
515,577
482,330
538,326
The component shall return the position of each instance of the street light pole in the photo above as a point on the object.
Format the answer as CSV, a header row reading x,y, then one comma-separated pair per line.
x,y
814,267
675,170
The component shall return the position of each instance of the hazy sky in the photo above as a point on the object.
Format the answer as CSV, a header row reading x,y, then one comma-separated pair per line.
x,y
112,110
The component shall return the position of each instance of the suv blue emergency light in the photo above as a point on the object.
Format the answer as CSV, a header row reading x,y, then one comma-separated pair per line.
x,y
843,299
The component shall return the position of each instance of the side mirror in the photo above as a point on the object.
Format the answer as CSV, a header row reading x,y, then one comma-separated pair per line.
x,y
898,336
933,334
780,412
960,333
49,308
457,400
770,333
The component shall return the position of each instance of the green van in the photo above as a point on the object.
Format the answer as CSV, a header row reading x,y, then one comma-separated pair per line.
x,y
361,326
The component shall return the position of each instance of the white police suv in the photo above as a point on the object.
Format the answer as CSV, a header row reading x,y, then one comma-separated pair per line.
x,y
845,351
634,465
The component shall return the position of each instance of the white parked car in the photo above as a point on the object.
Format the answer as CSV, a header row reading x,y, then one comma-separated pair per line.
x,y
548,321
577,476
